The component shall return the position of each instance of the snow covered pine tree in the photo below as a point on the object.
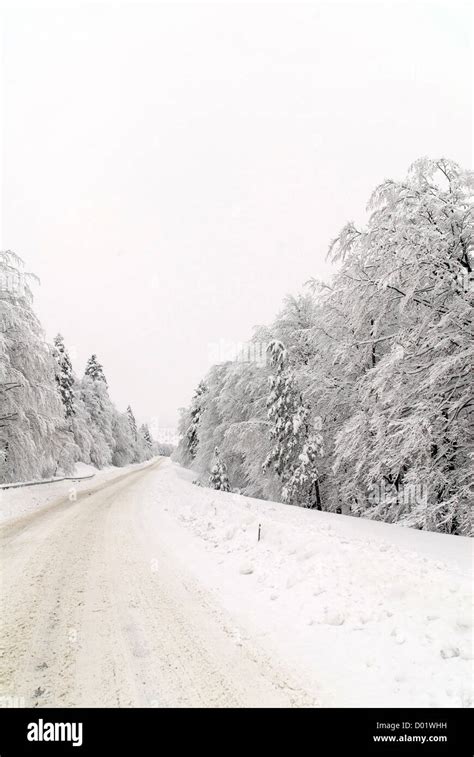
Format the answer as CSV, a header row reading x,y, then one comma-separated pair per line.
x,y
192,439
132,422
64,375
219,478
296,444
145,432
94,370
99,413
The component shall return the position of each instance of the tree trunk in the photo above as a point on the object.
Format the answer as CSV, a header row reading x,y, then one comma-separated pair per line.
x,y
317,497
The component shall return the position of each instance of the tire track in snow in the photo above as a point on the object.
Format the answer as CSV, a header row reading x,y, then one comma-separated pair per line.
x,y
88,621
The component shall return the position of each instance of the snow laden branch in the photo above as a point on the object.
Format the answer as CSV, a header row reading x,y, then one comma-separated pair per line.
x,y
49,418
382,354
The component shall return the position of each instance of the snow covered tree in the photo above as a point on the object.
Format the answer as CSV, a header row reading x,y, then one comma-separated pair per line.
x,y
132,422
64,375
74,408
188,427
302,485
43,431
145,432
283,405
295,445
125,443
243,432
164,449
293,327
80,427
218,478
382,354
102,418
408,307
192,438
94,370
35,442
145,445
232,417
99,414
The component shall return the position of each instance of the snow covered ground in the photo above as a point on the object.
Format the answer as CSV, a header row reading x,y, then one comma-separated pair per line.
x,y
373,614
150,591
21,500
100,610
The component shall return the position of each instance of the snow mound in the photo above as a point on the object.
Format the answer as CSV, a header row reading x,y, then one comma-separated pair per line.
x,y
375,614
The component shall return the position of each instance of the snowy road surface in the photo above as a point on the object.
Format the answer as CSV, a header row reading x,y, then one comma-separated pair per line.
x,y
150,591
98,610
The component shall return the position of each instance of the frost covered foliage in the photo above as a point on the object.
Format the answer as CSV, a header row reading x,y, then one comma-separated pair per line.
x,y
408,302
189,424
164,449
49,420
381,355
99,415
132,423
73,405
64,375
34,440
103,435
124,445
94,370
145,443
218,478
233,417
296,444
115,438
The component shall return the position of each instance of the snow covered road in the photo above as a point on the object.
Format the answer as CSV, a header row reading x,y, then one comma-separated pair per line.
x,y
100,609
150,591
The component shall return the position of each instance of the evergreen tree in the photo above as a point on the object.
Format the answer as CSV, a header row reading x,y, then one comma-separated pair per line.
x,y
64,376
302,485
145,432
218,478
144,445
99,414
132,422
94,370
192,438
296,446
188,426
125,443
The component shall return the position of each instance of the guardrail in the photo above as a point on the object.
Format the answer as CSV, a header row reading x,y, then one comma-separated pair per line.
x,y
45,481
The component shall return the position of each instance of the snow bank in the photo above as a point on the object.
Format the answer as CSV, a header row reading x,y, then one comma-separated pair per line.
x,y
83,469
372,614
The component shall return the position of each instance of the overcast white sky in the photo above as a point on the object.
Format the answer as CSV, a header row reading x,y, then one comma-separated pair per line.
x,y
171,171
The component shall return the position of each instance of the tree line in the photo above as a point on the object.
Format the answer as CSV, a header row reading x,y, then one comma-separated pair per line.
x,y
50,419
365,402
